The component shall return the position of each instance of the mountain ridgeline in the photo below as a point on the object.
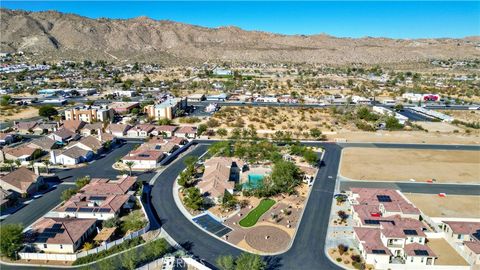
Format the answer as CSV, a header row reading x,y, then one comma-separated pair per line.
x,y
53,35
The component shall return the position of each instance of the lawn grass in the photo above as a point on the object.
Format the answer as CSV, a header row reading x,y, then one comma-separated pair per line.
x,y
253,216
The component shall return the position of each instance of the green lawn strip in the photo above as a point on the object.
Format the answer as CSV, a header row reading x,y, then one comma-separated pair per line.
x,y
253,216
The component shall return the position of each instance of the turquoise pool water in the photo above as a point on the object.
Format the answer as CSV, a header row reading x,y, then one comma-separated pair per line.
x,y
254,181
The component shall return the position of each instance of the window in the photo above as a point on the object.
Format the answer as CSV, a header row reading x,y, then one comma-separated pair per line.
x,y
411,260
44,245
411,240
459,236
421,260
61,246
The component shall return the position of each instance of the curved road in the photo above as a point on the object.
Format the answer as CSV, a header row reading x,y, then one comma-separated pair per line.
x,y
307,251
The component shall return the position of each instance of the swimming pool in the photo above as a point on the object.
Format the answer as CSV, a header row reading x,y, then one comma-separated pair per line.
x,y
254,181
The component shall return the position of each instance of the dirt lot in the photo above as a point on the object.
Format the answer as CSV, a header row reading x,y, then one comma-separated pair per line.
x,y
295,120
406,137
440,127
459,206
403,165
17,113
446,254
467,116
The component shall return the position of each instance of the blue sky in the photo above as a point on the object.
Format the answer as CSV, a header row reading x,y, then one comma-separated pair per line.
x,y
406,19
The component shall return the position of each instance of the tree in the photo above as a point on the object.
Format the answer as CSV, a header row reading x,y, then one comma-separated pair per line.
x,y
228,201
82,181
18,163
47,111
130,164
398,107
11,239
222,132
32,164
10,163
392,123
164,121
212,122
68,193
46,162
111,222
190,160
285,176
201,129
248,261
193,198
315,133
5,100
225,262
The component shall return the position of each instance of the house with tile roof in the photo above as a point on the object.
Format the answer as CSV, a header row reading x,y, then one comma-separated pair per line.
x,y
22,153
21,181
25,127
220,175
89,143
144,158
64,135
71,156
73,125
103,186
118,130
188,132
99,206
62,235
45,143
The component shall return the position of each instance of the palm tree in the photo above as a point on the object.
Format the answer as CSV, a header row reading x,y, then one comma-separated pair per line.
x,y
32,163
130,165
18,163
46,162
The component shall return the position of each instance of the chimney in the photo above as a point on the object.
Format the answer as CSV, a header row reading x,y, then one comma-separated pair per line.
x,y
99,131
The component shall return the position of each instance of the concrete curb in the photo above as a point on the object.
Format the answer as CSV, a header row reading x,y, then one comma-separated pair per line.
x,y
184,211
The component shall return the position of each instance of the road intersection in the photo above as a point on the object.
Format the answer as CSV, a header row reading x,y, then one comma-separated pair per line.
x,y
307,250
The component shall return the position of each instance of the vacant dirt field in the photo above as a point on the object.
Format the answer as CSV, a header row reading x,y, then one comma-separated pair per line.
x,y
403,165
467,116
459,206
295,120
446,254
407,137
440,127
17,113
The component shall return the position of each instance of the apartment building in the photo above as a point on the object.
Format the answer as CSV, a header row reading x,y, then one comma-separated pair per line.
x,y
168,109
90,114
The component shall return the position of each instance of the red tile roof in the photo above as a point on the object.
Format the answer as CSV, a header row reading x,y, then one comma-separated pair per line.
x,y
61,230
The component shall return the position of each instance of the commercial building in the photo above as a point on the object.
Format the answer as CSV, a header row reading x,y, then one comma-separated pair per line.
x,y
168,109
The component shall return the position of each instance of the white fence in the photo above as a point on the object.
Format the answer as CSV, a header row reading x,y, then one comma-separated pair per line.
x,y
75,256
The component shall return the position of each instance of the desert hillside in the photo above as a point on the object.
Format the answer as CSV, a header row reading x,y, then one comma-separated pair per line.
x,y
56,35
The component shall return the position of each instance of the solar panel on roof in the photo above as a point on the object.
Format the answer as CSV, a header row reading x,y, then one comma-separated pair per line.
x,y
103,210
371,221
410,232
378,251
384,198
420,252
85,210
71,209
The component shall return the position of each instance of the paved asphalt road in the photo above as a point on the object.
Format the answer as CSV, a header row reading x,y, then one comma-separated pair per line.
x,y
99,168
307,251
